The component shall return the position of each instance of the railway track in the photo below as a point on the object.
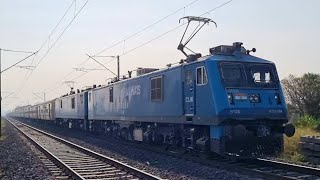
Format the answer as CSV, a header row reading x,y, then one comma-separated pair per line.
x,y
275,170
261,168
76,162
258,168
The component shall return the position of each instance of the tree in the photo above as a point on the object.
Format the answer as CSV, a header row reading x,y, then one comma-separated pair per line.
x,y
303,93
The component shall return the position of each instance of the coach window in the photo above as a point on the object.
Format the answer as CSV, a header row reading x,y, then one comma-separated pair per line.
x,y
201,76
111,94
81,98
60,104
156,89
73,103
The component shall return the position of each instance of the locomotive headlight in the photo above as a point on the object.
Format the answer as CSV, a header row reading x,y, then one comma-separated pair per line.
x,y
230,98
254,98
277,98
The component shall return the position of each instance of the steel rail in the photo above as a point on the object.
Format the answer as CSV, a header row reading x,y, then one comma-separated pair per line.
x,y
51,156
134,171
260,168
288,166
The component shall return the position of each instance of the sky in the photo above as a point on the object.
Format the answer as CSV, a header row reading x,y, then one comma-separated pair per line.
x,y
286,32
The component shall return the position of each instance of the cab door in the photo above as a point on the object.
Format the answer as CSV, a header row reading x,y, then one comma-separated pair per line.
x,y
189,92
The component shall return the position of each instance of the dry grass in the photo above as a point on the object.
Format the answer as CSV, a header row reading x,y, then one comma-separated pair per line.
x,y
291,145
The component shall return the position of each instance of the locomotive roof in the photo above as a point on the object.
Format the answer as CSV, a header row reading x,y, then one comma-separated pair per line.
x,y
215,57
241,58
36,104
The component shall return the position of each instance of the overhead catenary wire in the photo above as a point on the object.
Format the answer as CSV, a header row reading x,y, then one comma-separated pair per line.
x,y
88,69
208,12
8,94
48,38
24,81
16,51
101,64
54,29
62,33
19,61
55,88
52,46
149,26
144,29
128,37
143,44
161,35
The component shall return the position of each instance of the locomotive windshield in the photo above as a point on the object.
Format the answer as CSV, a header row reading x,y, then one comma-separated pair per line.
x,y
247,74
262,74
233,73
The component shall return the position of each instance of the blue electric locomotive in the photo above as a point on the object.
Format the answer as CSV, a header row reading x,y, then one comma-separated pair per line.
x,y
72,109
228,102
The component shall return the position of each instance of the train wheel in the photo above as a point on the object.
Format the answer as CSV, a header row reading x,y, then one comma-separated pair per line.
x,y
124,134
158,138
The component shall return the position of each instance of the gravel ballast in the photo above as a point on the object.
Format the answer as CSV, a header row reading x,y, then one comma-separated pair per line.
x,y
19,159
157,164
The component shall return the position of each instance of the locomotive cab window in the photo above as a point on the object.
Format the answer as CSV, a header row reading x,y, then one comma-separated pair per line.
x,y
233,73
73,103
60,104
201,76
262,74
156,90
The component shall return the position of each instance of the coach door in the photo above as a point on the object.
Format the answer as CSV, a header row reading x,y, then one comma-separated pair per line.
x,y
49,112
189,92
86,109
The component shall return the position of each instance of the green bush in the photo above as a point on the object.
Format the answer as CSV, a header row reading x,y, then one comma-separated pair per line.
x,y
308,121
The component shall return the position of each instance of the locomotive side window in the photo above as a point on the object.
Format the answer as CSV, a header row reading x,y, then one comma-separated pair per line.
x,y
233,73
201,76
111,94
156,89
73,103
189,78
60,104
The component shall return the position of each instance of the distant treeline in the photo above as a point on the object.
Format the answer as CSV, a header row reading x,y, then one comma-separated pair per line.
x,y
303,94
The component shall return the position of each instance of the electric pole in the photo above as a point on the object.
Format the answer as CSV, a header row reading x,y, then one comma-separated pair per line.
x,y
118,64
1,98
44,95
15,51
